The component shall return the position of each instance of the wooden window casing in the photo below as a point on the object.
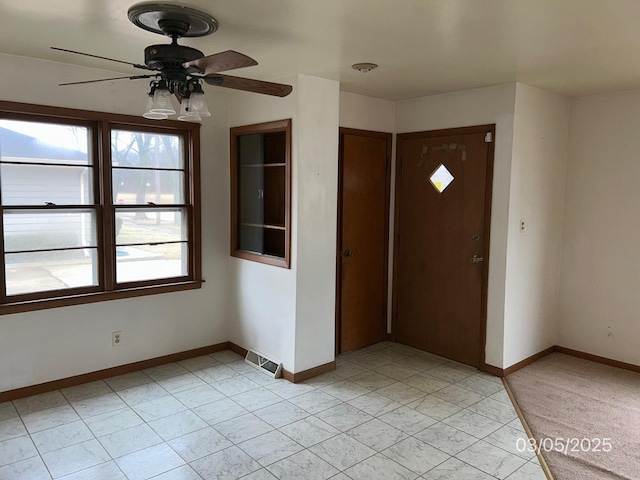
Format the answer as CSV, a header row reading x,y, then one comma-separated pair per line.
x,y
276,193
100,126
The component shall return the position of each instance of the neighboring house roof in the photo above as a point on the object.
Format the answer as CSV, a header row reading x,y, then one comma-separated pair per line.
x,y
18,145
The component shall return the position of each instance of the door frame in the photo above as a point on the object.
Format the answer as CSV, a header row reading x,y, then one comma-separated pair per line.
x,y
363,133
491,128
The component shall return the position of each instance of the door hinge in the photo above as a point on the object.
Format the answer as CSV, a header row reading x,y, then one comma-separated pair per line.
x,y
488,137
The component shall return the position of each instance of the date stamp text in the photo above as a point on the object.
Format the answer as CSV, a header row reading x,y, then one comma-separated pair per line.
x,y
564,445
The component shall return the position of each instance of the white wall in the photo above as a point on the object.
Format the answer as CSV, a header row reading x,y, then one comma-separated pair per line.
x,y
600,259
51,344
477,107
317,183
366,113
290,314
540,136
263,297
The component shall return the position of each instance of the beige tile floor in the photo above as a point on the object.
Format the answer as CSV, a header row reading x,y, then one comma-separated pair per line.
x,y
387,412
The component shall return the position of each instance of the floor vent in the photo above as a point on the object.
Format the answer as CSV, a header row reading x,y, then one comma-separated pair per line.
x,y
263,364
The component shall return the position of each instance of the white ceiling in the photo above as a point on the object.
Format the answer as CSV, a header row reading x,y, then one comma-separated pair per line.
x,y
572,47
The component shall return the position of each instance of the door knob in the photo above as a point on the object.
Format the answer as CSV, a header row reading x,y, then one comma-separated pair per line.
x,y
347,253
476,259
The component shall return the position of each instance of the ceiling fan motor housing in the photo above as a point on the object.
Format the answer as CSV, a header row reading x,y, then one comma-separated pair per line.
x,y
163,57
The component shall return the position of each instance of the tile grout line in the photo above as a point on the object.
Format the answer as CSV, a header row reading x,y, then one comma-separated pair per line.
x,y
337,379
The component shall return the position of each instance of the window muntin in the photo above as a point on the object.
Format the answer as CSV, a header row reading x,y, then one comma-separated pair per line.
x,y
49,227
148,168
53,187
138,226
147,186
44,229
73,227
140,149
47,250
167,260
50,270
33,141
151,243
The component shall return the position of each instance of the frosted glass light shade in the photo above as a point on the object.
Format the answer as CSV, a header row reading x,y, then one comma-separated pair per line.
x,y
186,114
152,115
184,109
192,117
162,102
198,105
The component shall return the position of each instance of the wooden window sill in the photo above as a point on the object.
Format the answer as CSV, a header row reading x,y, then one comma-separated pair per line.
x,y
43,304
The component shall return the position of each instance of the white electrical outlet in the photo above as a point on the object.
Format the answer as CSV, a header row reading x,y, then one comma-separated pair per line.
x,y
521,225
116,339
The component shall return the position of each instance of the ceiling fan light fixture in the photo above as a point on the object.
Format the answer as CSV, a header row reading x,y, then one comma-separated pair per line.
x,y
186,114
184,109
154,116
198,106
147,111
364,67
191,117
197,103
179,70
162,100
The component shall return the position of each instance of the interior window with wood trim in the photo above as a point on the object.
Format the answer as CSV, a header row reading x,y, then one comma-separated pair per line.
x,y
95,207
261,192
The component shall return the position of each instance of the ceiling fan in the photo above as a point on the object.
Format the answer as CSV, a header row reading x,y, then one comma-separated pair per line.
x,y
180,70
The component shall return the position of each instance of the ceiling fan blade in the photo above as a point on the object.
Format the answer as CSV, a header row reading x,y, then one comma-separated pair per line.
x,y
221,62
249,85
136,65
135,77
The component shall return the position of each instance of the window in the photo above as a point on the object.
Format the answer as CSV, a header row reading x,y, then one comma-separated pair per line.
x,y
260,192
148,175
95,207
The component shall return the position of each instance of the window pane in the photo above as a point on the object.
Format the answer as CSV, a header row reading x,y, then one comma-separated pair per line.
x,y
45,230
42,271
139,187
267,241
150,226
441,178
251,195
38,185
250,149
151,262
29,142
148,150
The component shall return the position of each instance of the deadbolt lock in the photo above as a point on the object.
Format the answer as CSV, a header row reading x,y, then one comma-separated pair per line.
x,y
475,236
476,259
347,253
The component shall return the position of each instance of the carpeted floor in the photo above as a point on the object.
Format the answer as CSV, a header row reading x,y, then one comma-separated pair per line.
x,y
572,407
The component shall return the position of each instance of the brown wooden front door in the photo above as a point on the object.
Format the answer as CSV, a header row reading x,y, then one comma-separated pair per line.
x,y
443,199
363,226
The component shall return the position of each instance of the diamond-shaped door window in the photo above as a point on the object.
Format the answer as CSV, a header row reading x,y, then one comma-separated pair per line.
x,y
441,178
